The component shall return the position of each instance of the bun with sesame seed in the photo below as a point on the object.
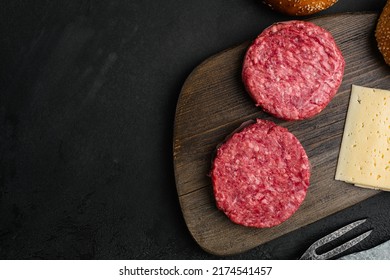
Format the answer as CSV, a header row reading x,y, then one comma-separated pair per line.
x,y
382,33
299,7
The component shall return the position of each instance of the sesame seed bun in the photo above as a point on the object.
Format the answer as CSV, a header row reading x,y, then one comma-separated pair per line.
x,y
382,33
299,7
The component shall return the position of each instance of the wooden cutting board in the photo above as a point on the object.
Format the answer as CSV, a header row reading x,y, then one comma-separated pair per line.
x,y
213,103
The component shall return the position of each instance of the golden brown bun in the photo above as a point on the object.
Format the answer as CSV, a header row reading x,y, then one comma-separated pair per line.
x,y
299,7
382,32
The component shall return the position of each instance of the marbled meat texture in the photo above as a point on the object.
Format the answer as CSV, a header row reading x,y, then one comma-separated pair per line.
x,y
293,69
260,175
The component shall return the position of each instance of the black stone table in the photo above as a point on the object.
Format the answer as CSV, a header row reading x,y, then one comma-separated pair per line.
x,y
88,96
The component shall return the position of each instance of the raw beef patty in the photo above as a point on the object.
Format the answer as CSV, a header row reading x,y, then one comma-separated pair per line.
x,y
293,69
260,175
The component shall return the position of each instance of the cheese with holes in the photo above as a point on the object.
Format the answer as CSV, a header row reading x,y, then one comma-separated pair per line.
x,y
364,158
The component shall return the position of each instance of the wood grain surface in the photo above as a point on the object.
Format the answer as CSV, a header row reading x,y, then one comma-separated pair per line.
x,y
213,103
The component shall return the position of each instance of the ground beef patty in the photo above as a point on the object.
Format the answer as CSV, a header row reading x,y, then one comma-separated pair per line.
x,y
293,69
260,175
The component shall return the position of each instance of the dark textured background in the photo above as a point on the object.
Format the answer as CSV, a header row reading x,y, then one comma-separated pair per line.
x,y
88,95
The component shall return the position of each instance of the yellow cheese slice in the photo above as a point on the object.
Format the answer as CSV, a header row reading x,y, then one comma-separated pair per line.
x,y
364,158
